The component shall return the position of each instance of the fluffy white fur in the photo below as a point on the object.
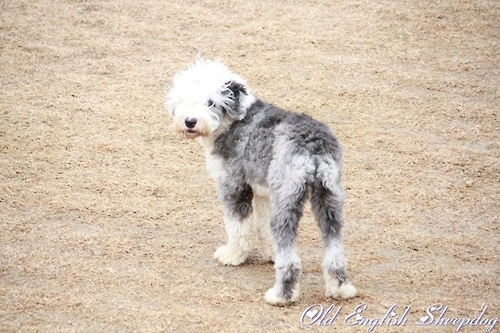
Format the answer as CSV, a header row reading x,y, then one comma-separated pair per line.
x,y
190,95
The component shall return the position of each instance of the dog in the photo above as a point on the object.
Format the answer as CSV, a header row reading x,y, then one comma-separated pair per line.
x,y
266,162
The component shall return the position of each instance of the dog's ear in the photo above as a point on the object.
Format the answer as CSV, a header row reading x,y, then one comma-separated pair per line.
x,y
233,91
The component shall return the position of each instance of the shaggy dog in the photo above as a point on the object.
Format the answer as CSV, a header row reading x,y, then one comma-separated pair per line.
x,y
267,162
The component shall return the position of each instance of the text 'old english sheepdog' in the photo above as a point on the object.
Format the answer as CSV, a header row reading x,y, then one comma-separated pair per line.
x,y
266,162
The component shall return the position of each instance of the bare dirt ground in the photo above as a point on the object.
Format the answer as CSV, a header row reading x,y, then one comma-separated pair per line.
x,y
108,221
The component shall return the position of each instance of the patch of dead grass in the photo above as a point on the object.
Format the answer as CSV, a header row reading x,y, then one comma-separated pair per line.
x,y
108,221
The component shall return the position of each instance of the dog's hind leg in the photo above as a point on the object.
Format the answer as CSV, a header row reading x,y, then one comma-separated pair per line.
x,y
287,207
327,200
237,202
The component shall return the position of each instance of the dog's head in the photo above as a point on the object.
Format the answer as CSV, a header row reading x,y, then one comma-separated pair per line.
x,y
205,97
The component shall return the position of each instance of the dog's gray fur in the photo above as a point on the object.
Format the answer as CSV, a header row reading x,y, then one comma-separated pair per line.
x,y
272,157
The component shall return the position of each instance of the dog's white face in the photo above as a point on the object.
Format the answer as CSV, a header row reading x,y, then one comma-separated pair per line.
x,y
206,96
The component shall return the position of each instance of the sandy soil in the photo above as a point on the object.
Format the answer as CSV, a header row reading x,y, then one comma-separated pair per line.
x,y
108,221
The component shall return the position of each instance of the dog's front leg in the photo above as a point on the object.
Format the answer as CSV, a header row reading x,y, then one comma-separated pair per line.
x,y
237,202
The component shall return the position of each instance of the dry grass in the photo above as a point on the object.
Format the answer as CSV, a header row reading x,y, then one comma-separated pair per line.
x,y
108,221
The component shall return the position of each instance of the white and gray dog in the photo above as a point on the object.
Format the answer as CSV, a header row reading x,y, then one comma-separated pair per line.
x,y
267,162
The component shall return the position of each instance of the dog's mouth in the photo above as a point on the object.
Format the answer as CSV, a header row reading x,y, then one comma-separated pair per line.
x,y
190,133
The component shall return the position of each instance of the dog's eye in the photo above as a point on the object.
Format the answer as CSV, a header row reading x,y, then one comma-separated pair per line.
x,y
210,103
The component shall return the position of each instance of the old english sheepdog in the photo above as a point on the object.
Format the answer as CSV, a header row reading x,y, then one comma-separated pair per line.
x,y
266,162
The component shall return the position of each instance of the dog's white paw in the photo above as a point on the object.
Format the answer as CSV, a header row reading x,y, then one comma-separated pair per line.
x,y
344,291
273,297
229,256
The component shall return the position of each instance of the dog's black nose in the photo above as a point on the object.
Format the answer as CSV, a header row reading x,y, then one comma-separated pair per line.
x,y
190,122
